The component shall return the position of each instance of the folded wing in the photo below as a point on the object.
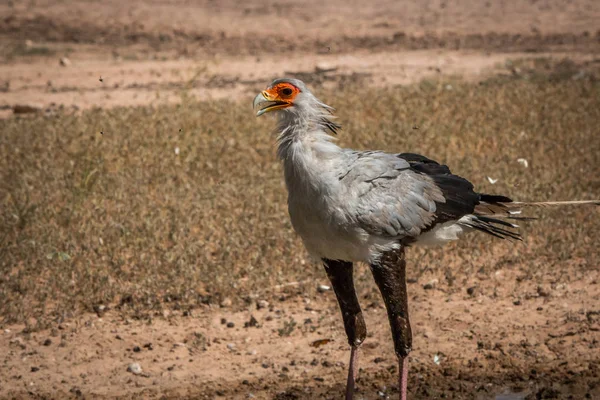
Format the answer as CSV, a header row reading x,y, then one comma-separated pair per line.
x,y
406,195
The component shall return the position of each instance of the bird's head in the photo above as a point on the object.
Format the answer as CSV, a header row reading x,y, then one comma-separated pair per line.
x,y
295,105
285,94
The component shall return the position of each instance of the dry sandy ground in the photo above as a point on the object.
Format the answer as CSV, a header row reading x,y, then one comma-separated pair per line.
x,y
550,332
90,82
509,347
138,53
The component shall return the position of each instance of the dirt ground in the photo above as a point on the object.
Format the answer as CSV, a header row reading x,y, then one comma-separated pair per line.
x,y
77,54
483,344
501,336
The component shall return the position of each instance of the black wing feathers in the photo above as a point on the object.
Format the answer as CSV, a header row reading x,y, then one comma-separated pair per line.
x,y
460,197
458,192
424,165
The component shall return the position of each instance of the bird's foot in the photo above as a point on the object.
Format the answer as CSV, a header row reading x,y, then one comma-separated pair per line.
x,y
352,373
403,378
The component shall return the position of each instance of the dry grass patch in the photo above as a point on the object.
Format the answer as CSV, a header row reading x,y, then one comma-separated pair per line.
x,y
185,205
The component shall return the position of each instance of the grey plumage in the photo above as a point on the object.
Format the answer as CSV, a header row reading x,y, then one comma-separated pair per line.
x,y
354,205
350,205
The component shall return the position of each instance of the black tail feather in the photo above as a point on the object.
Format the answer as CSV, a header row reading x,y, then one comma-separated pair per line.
x,y
495,221
494,227
494,198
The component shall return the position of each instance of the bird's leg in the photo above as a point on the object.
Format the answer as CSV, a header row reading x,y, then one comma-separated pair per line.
x,y
340,275
390,275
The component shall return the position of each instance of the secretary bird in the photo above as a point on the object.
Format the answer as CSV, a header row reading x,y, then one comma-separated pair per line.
x,y
350,206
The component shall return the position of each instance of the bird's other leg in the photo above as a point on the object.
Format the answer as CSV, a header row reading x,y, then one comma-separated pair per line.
x,y
390,275
340,275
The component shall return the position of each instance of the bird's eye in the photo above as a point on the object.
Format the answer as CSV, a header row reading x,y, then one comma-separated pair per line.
x,y
287,91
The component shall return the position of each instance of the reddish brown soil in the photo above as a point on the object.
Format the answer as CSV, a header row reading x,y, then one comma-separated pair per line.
x,y
477,344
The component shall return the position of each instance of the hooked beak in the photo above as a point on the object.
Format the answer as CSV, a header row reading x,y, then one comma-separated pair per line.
x,y
263,103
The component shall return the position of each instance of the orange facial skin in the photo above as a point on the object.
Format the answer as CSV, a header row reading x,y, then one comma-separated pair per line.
x,y
282,93
279,96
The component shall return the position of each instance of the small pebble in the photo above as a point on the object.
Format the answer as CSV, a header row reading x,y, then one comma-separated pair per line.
x,y
100,309
262,304
18,342
226,302
251,323
323,288
134,368
430,285
230,324
542,292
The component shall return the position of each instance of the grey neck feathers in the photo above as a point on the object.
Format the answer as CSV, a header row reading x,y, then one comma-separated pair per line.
x,y
314,121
